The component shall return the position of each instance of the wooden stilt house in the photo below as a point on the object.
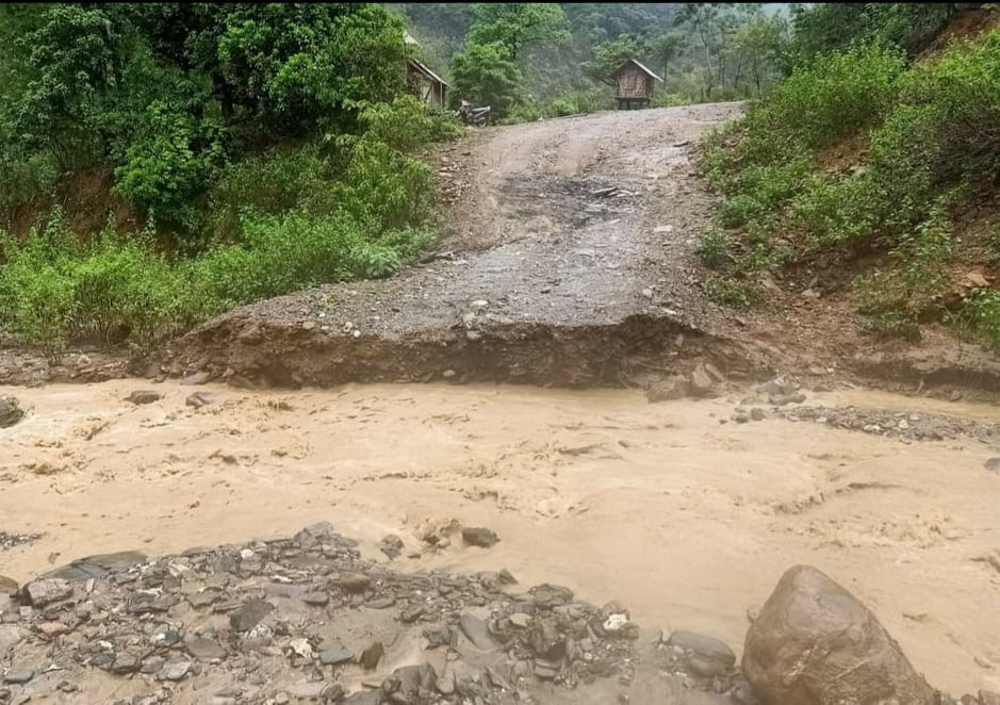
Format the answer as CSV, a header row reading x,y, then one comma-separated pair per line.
x,y
634,85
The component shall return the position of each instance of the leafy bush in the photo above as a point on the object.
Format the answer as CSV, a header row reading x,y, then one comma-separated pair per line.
x,y
487,74
824,101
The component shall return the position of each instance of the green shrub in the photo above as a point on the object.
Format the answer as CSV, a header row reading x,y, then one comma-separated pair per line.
x,y
824,101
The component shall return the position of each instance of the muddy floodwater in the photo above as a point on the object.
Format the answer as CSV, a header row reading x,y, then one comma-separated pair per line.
x,y
686,520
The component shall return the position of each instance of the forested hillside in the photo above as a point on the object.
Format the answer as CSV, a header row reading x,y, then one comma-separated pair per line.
x,y
565,52
871,174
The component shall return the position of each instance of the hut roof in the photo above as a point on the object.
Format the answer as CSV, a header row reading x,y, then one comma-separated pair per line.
x,y
640,66
427,72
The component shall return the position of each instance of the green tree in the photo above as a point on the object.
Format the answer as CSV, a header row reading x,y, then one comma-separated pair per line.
x,y
487,74
518,25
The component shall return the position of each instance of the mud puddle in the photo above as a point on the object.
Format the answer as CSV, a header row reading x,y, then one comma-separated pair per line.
x,y
687,520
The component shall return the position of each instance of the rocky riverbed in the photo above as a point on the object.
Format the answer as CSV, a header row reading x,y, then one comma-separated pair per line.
x,y
307,619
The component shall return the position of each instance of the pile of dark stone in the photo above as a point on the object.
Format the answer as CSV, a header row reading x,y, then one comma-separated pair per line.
x,y
10,411
256,623
9,540
912,426
307,619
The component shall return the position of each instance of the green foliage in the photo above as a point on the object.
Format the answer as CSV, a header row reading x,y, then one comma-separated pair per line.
x,y
517,25
486,74
288,219
825,27
572,103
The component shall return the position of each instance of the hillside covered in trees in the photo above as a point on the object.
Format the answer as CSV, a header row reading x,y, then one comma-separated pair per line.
x,y
870,175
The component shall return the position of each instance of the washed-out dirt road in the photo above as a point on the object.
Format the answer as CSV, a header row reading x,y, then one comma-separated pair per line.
x,y
571,262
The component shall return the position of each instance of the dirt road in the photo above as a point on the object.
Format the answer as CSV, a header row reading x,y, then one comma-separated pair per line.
x,y
571,257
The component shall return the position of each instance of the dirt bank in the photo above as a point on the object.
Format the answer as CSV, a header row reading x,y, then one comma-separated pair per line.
x,y
683,515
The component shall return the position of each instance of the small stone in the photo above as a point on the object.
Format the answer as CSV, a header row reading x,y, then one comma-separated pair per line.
x,y
392,546
705,655
701,382
317,599
988,697
301,648
352,582
446,683
175,671
520,620
757,414
143,396
335,655
411,614
372,655
197,378
44,592
473,335
479,536
205,649
741,417
670,389
784,399
615,622
8,586
648,293
152,665
10,636
164,636
18,676
198,400
53,629
477,632
249,615
545,673
125,663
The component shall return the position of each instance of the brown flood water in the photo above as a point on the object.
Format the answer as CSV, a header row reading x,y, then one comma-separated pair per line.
x,y
686,521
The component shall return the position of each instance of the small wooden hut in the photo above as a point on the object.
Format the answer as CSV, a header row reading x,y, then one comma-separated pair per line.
x,y
634,85
426,84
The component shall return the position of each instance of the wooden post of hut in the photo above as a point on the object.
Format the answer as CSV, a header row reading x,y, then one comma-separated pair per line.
x,y
634,85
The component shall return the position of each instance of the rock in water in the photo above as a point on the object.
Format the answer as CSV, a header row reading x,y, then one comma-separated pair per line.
x,y
669,389
479,536
143,396
815,644
10,411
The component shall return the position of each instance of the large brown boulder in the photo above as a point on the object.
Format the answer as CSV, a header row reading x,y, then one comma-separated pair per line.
x,y
815,644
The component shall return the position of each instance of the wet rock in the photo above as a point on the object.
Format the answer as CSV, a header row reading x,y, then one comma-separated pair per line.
x,y
371,656
520,620
8,586
317,599
17,676
10,411
815,644
479,536
53,629
197,378
778,385
125,663
198,400
392,546
409,683
205,649
10,636
477,632
785,399
143,396
705,656
741,417
334,655
164,636
669,389
352,582
44,592
988,697
175,671
701,383
98,566
250,615
757,414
